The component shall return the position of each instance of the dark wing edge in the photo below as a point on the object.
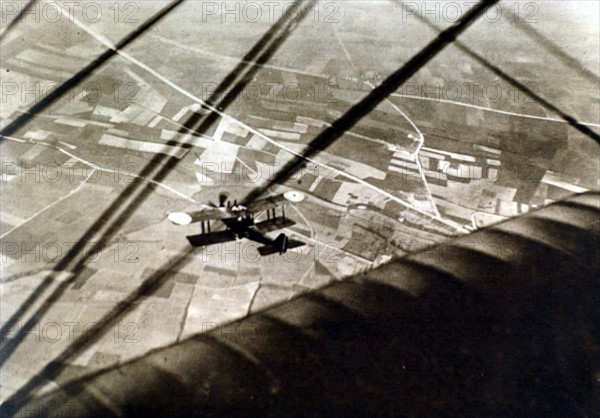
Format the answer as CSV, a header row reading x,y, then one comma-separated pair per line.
x,y
204,240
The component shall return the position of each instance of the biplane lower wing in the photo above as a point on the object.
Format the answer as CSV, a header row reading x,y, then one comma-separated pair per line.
x,y
203,240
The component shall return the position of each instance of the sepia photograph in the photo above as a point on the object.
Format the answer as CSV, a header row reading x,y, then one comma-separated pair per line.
x,y
300,208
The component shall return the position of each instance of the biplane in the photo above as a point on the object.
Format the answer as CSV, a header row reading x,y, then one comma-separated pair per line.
x,y
241,222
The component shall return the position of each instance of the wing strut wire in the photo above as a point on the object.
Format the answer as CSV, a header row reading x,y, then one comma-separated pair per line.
x,y
374,98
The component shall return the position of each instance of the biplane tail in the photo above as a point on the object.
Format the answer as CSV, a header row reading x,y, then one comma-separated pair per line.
x,y
281,245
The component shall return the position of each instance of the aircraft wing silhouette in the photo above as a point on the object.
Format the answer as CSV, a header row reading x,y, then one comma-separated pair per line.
x,y
502,322
206,239
271,202
274,224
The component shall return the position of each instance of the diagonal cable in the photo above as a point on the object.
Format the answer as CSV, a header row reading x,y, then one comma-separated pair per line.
x,y
518,22
572,121
253,61
158,167
11,25
85,72
266,47
374,98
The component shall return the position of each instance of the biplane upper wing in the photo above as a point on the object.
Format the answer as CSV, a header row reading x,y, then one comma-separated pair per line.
x,y
204,214
272,202
274,224
266,203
